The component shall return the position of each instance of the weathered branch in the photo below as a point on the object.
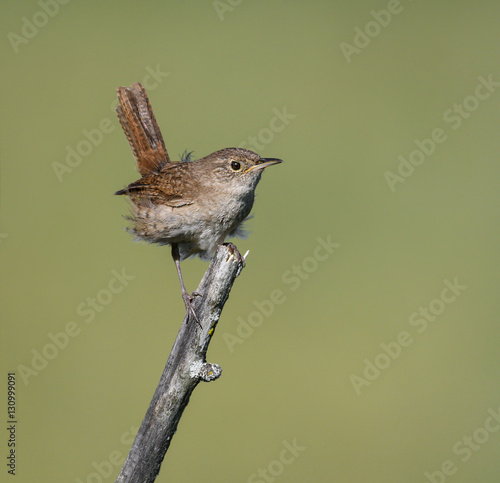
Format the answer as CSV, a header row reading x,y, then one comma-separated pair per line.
x,y
185,368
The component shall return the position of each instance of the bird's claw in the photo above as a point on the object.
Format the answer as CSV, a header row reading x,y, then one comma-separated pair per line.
x,y
235,253
188,303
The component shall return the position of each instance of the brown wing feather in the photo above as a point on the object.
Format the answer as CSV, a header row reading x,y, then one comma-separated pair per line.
x,y
165,188
143,133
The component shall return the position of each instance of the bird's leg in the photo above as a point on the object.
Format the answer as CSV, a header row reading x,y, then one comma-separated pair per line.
x,y
188,299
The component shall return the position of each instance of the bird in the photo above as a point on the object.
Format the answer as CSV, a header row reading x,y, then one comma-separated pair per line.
x,y
191,205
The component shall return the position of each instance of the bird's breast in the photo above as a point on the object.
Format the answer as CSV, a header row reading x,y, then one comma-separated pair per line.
x,y
198,227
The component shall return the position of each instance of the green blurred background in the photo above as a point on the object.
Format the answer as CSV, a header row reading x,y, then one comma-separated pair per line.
x,y
222,70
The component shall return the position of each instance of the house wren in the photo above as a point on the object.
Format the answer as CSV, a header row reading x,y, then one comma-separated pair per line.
x,y
191,205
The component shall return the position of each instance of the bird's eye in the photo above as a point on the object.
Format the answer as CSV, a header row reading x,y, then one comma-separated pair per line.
x,y
235,166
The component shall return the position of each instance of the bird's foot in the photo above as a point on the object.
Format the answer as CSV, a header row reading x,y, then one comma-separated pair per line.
x,y
235,253
188,303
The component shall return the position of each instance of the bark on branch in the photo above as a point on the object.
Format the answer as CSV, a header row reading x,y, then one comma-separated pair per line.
x,y
185,368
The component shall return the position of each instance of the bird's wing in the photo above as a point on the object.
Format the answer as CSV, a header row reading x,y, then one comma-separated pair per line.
x,y
160,190
143,133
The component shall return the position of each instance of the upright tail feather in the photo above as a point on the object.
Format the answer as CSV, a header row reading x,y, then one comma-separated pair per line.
x,y
143,133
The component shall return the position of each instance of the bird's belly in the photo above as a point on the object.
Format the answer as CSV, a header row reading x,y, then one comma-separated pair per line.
x,y
196,229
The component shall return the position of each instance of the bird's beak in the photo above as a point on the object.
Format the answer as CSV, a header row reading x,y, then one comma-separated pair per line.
x,y
264,163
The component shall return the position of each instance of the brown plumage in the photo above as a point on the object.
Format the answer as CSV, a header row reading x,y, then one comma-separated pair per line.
x,y
191,205
139,124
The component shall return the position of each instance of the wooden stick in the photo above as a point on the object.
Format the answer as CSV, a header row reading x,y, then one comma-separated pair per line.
x,y
185,368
